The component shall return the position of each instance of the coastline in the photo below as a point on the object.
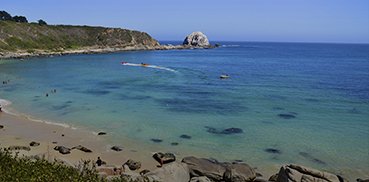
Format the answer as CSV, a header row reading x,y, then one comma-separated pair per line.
x,y
93,50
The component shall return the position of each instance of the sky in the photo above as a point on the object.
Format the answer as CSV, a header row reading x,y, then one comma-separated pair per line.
x,y
332,21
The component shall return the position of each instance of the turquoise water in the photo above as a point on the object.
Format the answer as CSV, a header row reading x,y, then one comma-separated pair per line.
x,y
322,90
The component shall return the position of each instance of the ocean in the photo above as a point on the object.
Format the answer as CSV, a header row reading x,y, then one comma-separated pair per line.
x,y
304,103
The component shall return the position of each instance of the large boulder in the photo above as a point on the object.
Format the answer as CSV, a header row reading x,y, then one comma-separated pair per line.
x,y
196,39
164,158
297,173
239,172
204,167
174,171
200,179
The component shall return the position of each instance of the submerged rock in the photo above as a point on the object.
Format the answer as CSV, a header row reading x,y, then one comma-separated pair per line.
x,y
101,133
156,140
228,131
312,158
34,144
196,39
287,116
292,172
273,151
62,149
164,158
185,136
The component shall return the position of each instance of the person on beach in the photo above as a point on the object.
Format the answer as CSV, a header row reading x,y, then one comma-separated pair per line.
x,y
99,162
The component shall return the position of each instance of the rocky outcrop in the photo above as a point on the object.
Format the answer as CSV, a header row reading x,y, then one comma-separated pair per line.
x,y
82,148
298,173
175,171
133,165
116,148
34,144
217,171
196,39
200,179
62,149
164,158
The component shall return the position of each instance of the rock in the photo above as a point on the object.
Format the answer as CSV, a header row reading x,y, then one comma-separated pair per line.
x,y
101,133
62,149
175,171
34,144
200,179
1,126
239,172
164,158
133,165
196,39
273,177
258,179
297,173
174,143
204,167
156,140
82,148
228,131
16,147
129,175
116,148
185,136
287,116
109,170
272,150
143,172
362,180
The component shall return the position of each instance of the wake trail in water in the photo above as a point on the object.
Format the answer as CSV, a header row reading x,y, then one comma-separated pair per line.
x,y
148,66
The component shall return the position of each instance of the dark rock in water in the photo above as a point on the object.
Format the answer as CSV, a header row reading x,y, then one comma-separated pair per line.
x,y
312,158
34,144
185,136
156,140
101,133
273,151
62,149
238,160
16,147
82,148
174,143
133,165
1,126
143,172
228,131
164,158
287,116
278,108
116,148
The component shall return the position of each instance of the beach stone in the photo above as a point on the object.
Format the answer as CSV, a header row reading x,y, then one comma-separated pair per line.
x,y
200,179
164,158
17,147
143,172
174,171
1,126
362,180
298,173
116,148
101,133
62,149
239,172
273,177
82,148
196,39
133,165
34,144
204,167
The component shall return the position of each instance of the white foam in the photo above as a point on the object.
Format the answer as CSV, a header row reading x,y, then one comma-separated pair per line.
x,y
149,66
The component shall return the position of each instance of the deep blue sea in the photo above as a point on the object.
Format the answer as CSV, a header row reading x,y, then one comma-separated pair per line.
x,y
299,103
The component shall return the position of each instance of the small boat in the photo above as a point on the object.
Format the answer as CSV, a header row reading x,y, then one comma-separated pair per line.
x,y
224,76
144,64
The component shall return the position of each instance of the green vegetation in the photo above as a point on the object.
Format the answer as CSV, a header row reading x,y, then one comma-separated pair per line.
x,y
14,168
23,37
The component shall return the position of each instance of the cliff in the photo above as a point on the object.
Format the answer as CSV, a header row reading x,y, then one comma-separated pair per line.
x,y
29,39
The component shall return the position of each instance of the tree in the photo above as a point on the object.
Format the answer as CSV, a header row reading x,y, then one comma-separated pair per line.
x,y
5,16
42,22
20,19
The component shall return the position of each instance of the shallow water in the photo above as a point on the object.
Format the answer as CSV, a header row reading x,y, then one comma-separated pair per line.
x,y
295,103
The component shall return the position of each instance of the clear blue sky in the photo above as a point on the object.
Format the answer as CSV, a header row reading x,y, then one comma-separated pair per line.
x,y
243,20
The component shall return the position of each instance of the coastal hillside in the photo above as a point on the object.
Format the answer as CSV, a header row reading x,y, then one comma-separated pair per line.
x,y
33,37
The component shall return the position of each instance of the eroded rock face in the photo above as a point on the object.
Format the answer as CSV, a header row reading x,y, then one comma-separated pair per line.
x,y
174,171
239,172
196,39
298,173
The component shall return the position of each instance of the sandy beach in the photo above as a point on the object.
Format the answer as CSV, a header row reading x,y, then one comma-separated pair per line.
x,y
20,131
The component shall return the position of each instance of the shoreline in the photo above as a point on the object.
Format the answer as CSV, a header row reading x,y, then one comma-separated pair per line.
x,y
93,50
20,129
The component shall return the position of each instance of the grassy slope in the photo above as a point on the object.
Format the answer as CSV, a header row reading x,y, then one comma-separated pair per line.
x,y
29,37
